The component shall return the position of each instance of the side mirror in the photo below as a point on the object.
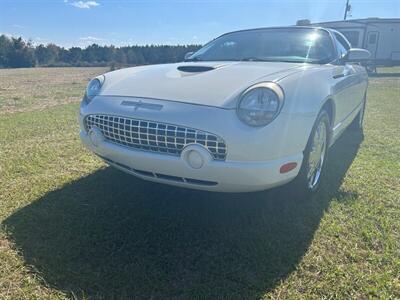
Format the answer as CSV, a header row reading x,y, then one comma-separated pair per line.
x,y
357,55
188,55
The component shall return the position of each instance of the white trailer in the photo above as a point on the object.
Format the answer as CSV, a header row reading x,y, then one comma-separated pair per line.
x,y
380,36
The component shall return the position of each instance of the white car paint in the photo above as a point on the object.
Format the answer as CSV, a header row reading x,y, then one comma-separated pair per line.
x,y
207,101
217,88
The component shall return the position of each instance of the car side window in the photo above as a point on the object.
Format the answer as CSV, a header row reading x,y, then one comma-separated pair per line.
x,y
352,36
342,45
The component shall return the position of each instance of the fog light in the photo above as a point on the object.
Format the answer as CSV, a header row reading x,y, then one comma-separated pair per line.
x,y
195,159
96,136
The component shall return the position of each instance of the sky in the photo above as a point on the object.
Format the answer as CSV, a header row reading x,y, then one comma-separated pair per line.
x,y
138,22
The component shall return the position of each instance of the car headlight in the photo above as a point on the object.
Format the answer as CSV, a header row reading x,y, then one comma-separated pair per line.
x,y
93,88
260,104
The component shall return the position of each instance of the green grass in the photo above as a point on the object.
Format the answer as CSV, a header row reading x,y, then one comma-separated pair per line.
x,y
73,228
39,88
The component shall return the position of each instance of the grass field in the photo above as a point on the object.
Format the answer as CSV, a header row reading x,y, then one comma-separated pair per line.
x,y
72,227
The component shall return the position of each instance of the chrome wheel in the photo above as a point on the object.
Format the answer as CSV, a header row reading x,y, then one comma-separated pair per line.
x,y
316,157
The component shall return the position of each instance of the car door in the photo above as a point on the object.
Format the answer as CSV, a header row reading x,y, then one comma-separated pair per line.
x,y
349,85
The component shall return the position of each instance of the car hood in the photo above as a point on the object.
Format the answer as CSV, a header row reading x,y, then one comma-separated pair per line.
x,y
203,83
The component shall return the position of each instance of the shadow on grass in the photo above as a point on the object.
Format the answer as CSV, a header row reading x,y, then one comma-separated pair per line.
x,y
109,235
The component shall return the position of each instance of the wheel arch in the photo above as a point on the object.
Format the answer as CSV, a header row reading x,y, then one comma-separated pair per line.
x,y
329,106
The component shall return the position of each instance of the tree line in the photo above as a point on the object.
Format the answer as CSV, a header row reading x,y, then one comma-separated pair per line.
x,y
18,53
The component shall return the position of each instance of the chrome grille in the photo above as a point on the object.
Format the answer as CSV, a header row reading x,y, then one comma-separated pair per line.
x,y
154,136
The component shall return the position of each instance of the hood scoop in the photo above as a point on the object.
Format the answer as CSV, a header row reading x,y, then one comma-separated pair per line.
x,y
195,69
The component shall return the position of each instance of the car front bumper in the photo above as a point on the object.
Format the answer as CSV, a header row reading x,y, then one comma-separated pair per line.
x,y
219,176
254,155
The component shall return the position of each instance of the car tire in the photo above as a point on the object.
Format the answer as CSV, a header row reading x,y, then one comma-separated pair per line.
x,y
315,156
358,122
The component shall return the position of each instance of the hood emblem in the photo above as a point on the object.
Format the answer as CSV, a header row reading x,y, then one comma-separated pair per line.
x,y
141,104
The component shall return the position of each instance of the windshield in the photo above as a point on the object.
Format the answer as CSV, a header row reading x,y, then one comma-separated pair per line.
x,y
281,44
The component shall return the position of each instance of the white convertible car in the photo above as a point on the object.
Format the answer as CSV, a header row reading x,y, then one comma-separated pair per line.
x,y
251,110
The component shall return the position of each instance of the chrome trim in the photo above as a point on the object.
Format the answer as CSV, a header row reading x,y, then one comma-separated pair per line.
x,y
337,126
141,104
154,136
